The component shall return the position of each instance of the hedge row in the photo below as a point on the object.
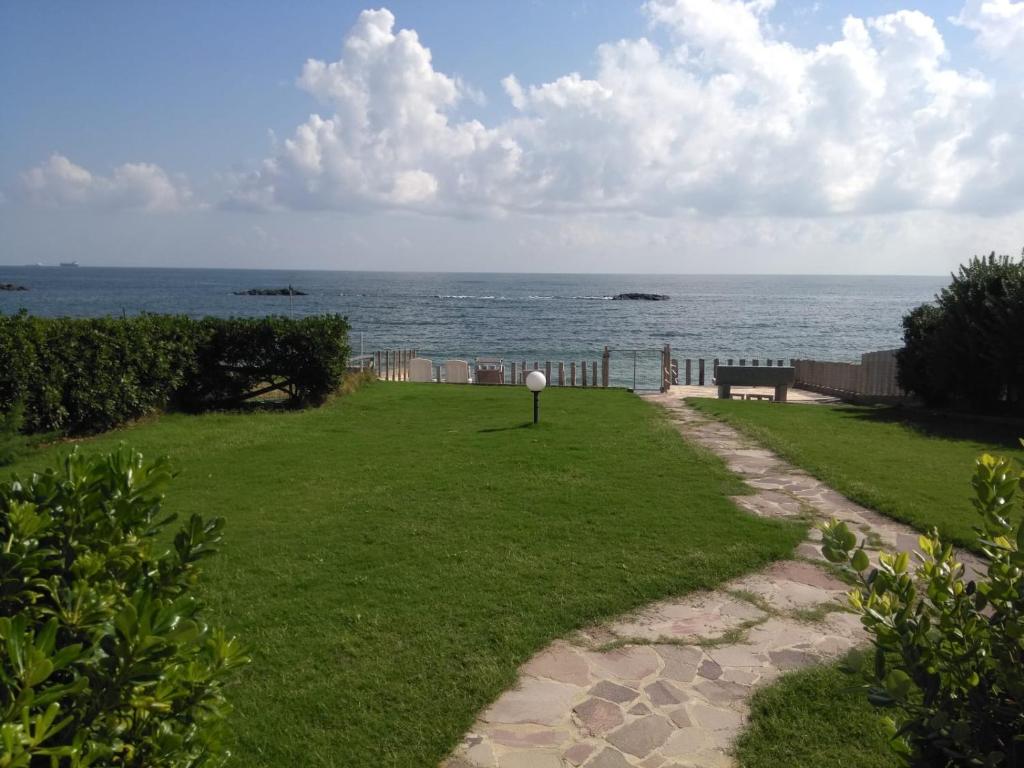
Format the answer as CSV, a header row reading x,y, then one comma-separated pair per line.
x,y
85,375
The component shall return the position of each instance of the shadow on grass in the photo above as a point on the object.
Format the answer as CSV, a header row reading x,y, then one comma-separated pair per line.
x,y
525,425
945,425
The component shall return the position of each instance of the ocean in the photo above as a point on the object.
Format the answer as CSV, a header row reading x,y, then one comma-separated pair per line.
x,y
518,317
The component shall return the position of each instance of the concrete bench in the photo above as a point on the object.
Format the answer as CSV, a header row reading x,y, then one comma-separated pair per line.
x,y
780,377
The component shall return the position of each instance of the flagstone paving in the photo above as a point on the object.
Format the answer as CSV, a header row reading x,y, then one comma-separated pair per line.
x,y
669,686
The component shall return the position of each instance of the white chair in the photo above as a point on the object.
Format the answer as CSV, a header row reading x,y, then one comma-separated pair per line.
x,y
456,371
421,369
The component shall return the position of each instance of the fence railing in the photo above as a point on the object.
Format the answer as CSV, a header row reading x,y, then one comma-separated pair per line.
x,y
388,364
633,369
396,365
873,378
701,371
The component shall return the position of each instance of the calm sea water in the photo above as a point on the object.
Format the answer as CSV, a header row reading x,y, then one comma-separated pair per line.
x,y
532,317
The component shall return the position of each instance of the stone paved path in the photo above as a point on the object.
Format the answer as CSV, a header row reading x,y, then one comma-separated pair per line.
x,y
669,686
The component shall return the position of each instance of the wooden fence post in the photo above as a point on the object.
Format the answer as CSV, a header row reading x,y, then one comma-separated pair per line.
x,y
514,374
605,367
593,371
729,362
572,373
561,373
689,371
700,371
714,369
754,362
547,371
743,361
584,373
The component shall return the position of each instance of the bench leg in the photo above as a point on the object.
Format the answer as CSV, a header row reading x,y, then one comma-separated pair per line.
x,y
724,391
780,393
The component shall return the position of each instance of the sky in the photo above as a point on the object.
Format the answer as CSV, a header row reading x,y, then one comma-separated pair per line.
x,y
666,136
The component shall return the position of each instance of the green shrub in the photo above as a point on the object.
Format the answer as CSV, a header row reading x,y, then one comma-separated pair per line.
x,y
105,655
949,649
304,357
79,376
12,441
967,350
88,375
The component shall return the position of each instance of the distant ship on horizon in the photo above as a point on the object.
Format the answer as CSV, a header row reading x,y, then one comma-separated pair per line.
x,y
69,263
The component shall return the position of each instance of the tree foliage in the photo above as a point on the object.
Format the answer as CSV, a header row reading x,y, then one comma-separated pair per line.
x,y
105,655
948,644
967,349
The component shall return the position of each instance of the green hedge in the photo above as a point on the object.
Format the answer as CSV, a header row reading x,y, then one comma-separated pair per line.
x,y
967,349
84,375
305,358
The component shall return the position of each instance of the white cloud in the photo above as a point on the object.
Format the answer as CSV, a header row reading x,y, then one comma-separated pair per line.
x,y
390,141
58,182
998,23
728,119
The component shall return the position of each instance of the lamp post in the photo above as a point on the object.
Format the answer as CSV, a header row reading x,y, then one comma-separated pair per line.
x,y
535,382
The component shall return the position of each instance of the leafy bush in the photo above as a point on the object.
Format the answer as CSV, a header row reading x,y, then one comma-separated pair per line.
x,y
105,656
79,376
91,374
967,349
305,358
12,441
949,649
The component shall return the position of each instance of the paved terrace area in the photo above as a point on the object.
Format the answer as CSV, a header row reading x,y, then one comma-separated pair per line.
x,y
669,686
794,395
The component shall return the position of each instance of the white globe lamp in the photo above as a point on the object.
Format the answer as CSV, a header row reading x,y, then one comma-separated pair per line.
x,y
535,382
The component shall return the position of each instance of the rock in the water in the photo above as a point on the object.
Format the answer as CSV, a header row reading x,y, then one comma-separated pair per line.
x,y
289,291
12,287
640,297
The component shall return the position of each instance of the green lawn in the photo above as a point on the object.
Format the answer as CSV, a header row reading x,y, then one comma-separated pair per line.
x,y
392,557
815,718
911,465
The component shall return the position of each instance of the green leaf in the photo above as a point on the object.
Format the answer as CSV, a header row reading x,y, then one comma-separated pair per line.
x,y
860,560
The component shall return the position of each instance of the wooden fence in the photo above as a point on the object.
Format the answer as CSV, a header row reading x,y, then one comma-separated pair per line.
x,y
873,379
388,364
700,371
393,365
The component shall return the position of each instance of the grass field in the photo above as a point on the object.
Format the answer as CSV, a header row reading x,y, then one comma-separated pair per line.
x,y
392,557
815,718
913,466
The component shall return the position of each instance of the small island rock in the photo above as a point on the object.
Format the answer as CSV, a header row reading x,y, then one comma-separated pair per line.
x,y
12,287
640,297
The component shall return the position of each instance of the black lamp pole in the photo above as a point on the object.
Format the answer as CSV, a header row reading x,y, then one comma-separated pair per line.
x,y
536,406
